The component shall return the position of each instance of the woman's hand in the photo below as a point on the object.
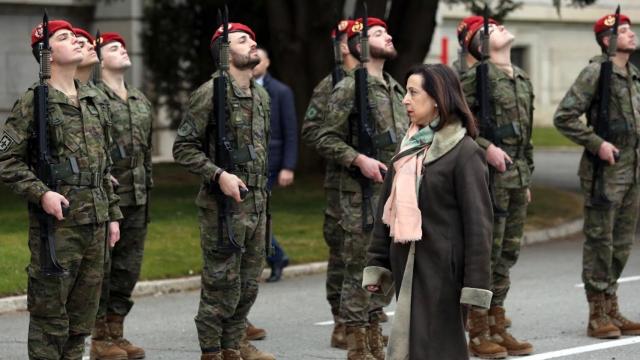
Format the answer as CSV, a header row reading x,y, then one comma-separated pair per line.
x,y
373,288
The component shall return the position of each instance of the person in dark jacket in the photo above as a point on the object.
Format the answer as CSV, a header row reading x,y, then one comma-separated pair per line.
x,y
283,146
432,234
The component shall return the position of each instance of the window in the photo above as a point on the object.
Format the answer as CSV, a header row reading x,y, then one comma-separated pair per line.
x,y
520,57
635,58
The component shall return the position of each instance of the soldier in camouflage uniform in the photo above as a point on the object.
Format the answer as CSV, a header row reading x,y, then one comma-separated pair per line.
x,y
229,276
360,314
314,122
62,309
609,230
510,157
132,119
90,57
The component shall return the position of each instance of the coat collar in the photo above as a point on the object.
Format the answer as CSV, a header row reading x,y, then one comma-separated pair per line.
x,y
445,140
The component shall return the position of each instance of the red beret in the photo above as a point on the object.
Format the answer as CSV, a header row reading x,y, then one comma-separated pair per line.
x,y
343,27
233,27
54,25
356,28
607,21
85,34
473,29
108,37
463,26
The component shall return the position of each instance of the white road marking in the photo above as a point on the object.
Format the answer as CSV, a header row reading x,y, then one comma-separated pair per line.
x,y
330,322
584,349
621,280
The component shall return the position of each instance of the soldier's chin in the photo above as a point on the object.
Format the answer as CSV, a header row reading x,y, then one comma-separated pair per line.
x,y
249,64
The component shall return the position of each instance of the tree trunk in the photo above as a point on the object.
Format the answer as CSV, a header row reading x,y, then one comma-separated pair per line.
x,y
412,24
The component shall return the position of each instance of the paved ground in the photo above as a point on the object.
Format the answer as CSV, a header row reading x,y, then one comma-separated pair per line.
x,y
546,306
557,168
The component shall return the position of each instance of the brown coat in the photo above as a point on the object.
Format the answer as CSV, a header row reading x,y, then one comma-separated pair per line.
x,y
454,252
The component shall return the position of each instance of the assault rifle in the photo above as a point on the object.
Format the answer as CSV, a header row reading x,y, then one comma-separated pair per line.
x,y
97,68
487,125
226,156
49,264
368,141
601,123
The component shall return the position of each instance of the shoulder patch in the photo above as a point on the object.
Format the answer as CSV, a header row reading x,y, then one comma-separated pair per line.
x,y
185,129
6,142
311,112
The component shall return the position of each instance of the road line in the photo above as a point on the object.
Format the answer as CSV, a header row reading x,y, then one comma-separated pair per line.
x,y
585,349
330,322
621,280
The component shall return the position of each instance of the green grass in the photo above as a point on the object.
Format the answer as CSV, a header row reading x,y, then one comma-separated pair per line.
x,y
550,137
173,245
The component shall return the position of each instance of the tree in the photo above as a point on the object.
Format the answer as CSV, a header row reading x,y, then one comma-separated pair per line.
x,y
296,33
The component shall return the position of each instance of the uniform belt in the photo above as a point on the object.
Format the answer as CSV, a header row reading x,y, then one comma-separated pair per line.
x,y
130,162
68,172
253,180
90,179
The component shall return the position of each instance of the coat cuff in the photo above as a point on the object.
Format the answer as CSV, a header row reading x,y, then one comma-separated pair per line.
x,y
35,192
477,297
114,213
377,275
349,157
593,144
484,143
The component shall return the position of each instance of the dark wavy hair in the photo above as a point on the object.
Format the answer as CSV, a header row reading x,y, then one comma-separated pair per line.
x,y
442,84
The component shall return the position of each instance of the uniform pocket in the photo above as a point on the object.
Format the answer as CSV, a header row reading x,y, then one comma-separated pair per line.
x,y
44,294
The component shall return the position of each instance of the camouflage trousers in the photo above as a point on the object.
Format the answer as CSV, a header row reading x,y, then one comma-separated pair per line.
x,y
334,238
609,234
508,232
63,309
122,268
358,307
229,278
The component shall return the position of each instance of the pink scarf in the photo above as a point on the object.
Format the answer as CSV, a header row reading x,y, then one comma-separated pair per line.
x,y
401,212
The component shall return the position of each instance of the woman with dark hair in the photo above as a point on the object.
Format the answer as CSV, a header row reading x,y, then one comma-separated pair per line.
x,y
432,236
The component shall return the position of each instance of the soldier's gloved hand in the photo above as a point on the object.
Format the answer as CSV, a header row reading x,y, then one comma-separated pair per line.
x,y
230,185
607,152
114,233
52,202
370,167
497,158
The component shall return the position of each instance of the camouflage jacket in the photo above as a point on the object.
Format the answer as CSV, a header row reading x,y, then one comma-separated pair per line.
x,y
131,151
624,119
78,136
336,141
511,103
314,121
248,119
